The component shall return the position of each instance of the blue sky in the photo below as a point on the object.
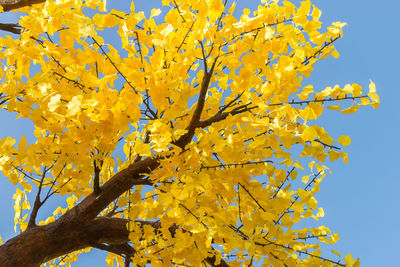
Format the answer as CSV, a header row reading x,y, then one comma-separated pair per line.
x,y
359,198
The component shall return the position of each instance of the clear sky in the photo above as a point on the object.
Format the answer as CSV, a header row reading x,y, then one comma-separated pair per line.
x,y
360,198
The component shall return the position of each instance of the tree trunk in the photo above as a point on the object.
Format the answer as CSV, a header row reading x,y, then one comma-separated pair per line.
x,y
39,244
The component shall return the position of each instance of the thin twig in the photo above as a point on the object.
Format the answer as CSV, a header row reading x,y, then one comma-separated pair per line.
x,y
115,66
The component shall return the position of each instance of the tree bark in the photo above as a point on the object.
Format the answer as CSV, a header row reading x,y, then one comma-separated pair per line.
x,y
14,4
79,227
39,244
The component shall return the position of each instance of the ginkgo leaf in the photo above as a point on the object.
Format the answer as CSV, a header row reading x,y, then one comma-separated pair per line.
x,y
335,53
333,155
54,102
309,134
23,143
298,165
334,107
335,252
350,262
155,12
142,149
373,95
372,87
305,178
349,110
344,140
74,106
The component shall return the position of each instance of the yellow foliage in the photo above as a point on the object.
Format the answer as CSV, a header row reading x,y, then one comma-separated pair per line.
x,y
216,98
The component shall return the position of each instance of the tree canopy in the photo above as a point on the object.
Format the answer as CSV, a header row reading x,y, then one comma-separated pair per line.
x,y
191,141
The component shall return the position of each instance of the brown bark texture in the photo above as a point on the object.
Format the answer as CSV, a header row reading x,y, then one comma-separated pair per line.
x,y
78,228
14,4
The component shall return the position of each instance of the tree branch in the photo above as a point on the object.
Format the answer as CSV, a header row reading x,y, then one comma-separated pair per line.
x,y
96,179
194,122
134,174
11,27
115,66
38,203
14,4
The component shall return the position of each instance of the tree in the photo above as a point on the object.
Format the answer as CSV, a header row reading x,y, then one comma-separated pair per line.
x,y
194,143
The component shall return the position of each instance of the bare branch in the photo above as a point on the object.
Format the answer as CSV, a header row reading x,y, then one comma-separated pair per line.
x,y
38,203
298,251
284,181
184,38
224,107
297,197
115,66
194,215
255,200
306,102
235,164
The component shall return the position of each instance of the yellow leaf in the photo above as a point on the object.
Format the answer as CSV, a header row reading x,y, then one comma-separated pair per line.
x,y
304,8
232,8
167,30
178,133
159,42
373,95
54,102
298,165
22,144
333,155
303,194
344,140
335,252
74,106
309,134
372,89
317,108
334,107
269,33
155,12
305,178
335,53
142,149
308,114
339,24
375,98
71,201
348,259
321,212
311,165
348,89
316,13
349,110
364,102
